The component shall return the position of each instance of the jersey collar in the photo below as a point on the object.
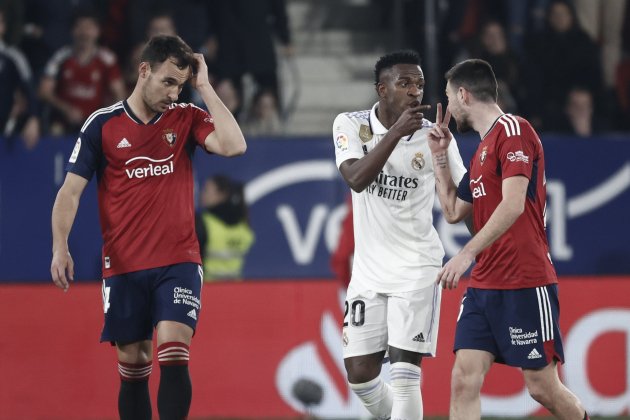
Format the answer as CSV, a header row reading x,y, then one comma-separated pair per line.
x,y
138,120
494,124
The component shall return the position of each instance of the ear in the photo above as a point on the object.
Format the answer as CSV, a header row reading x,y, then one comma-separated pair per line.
x,y
381,90
144,69
463,95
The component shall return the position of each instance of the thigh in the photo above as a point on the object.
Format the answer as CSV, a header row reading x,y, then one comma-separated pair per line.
x,y
177,294
364,323
473,330
413,319
525,323
127,307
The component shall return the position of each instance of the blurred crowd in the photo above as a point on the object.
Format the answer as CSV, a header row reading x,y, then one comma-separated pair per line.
x,y
61,60
563,64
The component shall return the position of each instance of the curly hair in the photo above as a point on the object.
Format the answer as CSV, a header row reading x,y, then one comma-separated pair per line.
x,y
390,60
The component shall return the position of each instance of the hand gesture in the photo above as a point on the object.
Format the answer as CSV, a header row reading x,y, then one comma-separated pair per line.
x,y
410,120
62,269
200,74
440,136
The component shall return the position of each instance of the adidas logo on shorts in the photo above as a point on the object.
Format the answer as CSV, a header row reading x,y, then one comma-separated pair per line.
x,y
419,338
534,354
193,314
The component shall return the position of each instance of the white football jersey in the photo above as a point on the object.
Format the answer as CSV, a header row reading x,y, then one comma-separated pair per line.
x,y
397,249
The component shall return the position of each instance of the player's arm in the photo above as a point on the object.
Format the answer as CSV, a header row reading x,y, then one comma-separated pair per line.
x,y
514,191
359,173
454,208
63,214
227,138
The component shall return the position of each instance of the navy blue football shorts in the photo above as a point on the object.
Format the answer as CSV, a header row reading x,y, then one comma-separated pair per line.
x,y
135,302
519,327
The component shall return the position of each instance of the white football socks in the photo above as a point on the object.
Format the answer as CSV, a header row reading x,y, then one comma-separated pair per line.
x,y
376,396
405,384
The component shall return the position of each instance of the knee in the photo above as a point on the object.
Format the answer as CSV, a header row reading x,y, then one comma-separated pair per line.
x,y
360,372
539,392
465,380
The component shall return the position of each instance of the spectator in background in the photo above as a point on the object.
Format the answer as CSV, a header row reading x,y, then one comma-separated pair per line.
x,y
263,117
492,46
245,39
80,78
603,21
223,229
561,57
579,115
18,104
47,28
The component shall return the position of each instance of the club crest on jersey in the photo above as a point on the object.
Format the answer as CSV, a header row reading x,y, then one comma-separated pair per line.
x,y
418,162
169,136
484,153
365,134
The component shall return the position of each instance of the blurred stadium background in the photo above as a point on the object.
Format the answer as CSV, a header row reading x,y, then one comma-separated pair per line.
x,y
269,347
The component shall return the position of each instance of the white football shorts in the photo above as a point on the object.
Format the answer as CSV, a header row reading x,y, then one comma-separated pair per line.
x,y
405,320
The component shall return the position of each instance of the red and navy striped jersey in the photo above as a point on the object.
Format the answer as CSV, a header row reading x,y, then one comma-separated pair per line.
x,y
520,257
145,183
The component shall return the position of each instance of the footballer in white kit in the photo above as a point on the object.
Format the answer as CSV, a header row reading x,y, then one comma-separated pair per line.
x,y
392,297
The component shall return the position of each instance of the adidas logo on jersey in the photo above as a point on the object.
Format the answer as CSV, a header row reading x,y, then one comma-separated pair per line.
x,y
419,338
534,354
123,143
193,314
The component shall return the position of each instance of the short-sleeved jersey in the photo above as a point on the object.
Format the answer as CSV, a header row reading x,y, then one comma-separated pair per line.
x,y
145,183
520,257
397,249
84,85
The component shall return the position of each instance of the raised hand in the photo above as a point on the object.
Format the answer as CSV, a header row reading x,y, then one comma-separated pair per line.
x,y
410,120
440,136
200,76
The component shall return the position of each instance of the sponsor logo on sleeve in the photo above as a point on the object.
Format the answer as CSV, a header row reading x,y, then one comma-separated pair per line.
x,y
341,142
518,156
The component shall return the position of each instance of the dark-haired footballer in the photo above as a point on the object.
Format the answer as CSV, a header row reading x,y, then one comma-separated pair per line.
x,y
392,303
141,152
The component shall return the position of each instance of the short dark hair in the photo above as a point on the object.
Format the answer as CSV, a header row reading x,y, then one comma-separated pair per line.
x,y
162,47
477,77
390,60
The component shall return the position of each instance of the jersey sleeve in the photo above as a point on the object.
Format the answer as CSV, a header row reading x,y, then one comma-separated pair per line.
x,y
348,145
517,150
455,163
87,153
202,125
463,189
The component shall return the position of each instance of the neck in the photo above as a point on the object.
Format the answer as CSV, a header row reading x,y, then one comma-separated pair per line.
x,y
384,117
484,116
139,107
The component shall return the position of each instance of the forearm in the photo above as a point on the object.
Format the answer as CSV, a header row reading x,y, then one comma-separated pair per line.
x,y
364,171
63,214
228,133
501,220
444,186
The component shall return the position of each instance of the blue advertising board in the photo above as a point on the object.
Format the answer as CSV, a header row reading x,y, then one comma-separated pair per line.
x,y
297,201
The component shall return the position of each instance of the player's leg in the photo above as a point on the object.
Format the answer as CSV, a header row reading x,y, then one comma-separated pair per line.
x,y
128,324
412,324
177,305
475,351
364,345
539,328
134,367
545,387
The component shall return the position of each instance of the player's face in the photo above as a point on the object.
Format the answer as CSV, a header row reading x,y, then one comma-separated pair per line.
x,y
163,85
455,104
402,87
